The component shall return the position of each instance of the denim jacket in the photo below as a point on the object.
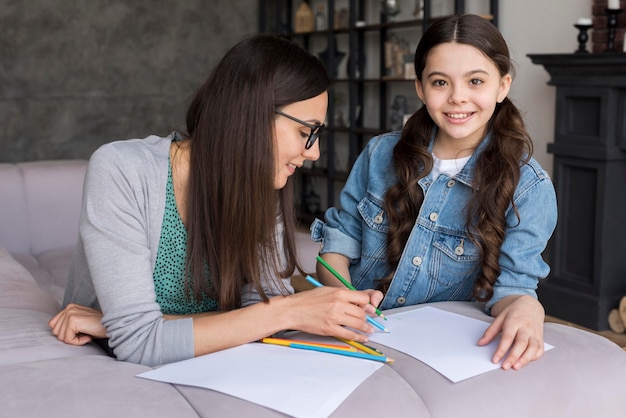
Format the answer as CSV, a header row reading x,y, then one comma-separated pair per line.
x,y
439,261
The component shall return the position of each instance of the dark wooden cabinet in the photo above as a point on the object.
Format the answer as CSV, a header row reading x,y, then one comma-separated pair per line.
x,y
587,252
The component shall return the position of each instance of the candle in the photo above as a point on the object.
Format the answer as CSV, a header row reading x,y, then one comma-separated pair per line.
x,y
585,21
614,4
624,44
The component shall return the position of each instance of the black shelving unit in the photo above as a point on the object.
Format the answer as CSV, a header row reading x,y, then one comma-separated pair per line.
x,y
363,83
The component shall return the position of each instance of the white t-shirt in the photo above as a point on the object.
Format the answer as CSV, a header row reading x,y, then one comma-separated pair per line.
x,y
449,167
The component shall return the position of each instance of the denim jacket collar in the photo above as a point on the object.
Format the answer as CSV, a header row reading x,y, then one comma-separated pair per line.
x,y
466,175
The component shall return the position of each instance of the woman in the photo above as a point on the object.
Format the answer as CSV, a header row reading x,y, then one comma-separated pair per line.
x,y
181,236
453,207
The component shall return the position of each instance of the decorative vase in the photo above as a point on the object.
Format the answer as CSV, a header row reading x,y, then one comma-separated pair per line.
x,y
390,8
305,20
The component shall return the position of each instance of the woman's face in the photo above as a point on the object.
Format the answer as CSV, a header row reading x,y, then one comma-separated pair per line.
x,y
460,87
291,136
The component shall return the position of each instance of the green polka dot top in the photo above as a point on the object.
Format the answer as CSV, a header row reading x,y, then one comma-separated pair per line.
x,y
169,269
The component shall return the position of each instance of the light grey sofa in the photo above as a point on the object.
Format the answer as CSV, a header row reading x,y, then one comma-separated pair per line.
x,y
583,376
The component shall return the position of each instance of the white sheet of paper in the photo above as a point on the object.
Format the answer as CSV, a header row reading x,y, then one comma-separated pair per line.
x,y
300,383
445,341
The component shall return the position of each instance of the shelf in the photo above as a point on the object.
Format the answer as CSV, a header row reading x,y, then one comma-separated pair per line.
x,y
362,28
368,96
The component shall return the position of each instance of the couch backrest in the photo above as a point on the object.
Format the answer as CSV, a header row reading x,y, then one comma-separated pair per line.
x,y
40,204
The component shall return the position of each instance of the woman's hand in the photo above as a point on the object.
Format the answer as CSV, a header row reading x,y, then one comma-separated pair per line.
x,y
340,264
77,325
332,311
520,321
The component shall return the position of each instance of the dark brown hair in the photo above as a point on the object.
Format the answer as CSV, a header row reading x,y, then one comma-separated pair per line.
x,y
497,169
232,203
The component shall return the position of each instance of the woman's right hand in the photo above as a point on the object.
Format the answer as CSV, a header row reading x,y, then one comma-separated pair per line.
x,y
77,325
332,311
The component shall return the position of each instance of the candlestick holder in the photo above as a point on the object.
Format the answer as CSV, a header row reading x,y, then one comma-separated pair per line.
x,y
582,38
612,23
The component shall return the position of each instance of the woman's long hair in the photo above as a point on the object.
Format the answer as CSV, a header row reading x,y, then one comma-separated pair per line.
x,y
497,169
232,203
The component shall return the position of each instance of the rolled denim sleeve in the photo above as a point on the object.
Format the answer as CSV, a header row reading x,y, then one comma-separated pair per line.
x,y
341,232
333,239
521,261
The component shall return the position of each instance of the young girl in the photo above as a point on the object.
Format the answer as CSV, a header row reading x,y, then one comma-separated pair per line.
x,y
181,236
453,207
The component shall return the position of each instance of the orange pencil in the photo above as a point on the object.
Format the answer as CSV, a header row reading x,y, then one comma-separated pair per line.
x,y
288,342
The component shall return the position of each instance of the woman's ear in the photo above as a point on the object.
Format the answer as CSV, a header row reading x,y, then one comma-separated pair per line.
x,y
505,86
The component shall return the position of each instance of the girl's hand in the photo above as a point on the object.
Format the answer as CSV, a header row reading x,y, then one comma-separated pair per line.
x,y
77,325
333,311
520,321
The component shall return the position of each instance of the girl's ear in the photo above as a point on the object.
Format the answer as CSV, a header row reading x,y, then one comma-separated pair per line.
x,y
419,90
505,86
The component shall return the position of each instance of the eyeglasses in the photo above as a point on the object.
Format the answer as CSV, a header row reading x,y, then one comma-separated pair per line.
x,y
315,129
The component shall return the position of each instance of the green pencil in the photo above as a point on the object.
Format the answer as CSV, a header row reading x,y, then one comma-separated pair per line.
x,y
344,281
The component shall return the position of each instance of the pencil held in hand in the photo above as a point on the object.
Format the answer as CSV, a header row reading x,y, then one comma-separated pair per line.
x,y
344,281
370,320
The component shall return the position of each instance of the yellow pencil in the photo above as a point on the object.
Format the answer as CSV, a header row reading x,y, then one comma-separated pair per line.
x,y
288,342
361,346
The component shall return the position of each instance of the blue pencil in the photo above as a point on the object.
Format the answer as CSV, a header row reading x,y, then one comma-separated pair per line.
x,y
369,319
343,352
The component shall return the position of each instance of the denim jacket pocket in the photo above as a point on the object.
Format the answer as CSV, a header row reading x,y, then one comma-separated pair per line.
x,y
455,258
373,215
375,228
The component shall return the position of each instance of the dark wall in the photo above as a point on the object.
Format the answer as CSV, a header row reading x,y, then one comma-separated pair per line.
x,y
74,75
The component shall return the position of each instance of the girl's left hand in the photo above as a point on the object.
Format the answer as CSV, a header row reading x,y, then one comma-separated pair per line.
x,y
519,319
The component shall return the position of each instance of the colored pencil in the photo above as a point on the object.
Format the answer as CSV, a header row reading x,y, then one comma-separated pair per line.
x,y
341,352
369,319
287,342
365,348
344,281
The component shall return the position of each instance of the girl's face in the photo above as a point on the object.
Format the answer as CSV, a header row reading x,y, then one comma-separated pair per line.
x,y
460,87
291,136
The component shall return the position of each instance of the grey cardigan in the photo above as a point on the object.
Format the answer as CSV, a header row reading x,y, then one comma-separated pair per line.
x,y
120,226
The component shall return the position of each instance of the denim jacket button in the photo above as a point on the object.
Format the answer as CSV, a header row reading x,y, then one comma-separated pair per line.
x,y
459,250
433,217
378,219
451,183
417,261
401,300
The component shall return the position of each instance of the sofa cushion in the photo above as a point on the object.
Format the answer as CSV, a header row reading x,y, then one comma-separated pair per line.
x,y
50,269
18,288
307,251
54,195
14,220
584,375
86,386
25,310
25,336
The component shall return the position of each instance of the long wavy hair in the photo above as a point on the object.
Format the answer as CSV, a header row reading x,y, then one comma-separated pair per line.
x,y
233,207
497,170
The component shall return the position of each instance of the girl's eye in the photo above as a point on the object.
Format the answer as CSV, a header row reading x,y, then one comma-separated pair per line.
x,y
304,135
476,82
439,83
